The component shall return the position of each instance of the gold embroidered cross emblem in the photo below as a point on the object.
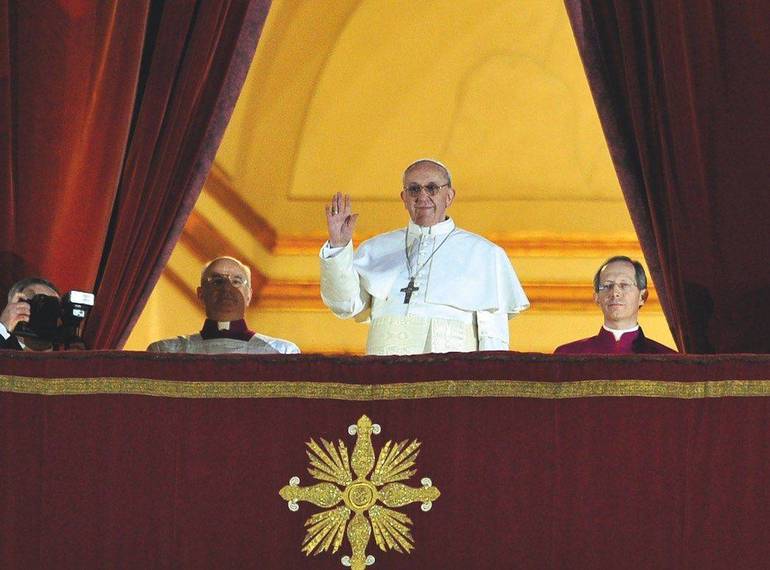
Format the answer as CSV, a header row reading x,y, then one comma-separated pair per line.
x,y
374,483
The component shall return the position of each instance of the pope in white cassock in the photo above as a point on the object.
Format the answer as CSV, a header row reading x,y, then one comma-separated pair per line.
x,y
429,287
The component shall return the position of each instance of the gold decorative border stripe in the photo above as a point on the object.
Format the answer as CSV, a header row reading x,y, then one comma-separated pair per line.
x,y
399,391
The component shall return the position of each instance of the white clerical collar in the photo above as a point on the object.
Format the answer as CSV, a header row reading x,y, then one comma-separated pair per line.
x,y
620,332
442,228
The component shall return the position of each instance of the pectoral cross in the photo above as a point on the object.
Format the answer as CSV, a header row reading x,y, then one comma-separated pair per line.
x,y
408,290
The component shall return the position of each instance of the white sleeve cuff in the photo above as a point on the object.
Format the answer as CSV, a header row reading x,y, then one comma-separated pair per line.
x,y
328,251
493,330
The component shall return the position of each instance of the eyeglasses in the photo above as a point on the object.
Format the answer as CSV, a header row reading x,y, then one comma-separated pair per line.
x,y
219,279
431,188
610,285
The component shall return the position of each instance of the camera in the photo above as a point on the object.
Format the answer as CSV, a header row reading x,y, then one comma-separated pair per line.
x,y
54,323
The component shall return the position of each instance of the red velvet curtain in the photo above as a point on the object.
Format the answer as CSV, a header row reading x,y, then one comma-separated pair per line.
x,y
195,64
682,91
112,113
68,82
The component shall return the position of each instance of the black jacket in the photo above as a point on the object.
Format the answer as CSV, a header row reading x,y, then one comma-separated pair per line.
x,y
11,343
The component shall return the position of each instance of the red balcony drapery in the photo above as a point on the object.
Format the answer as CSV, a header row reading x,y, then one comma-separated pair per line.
x,y
161,461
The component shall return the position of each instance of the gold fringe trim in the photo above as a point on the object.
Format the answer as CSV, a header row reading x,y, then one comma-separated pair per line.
x,y
400,391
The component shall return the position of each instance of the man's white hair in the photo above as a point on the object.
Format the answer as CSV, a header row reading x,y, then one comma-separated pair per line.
x,y
240,264
438,163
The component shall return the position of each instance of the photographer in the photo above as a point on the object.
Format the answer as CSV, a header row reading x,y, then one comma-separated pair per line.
x,y
18,310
